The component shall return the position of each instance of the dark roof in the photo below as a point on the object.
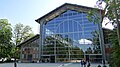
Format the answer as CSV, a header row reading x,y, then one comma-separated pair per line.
x,y
29,40
67,6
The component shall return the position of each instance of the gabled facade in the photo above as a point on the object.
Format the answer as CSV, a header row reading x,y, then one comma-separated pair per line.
x,y
66,35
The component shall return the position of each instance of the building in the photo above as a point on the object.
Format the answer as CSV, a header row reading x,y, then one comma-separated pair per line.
x,y
66,35
29,49
107,42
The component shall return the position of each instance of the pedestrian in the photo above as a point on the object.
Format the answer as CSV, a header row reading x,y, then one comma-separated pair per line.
x,y
88,64
84,63
99,66
81,63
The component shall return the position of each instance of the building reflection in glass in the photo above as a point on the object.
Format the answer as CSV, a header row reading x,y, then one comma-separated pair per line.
x,y
70,36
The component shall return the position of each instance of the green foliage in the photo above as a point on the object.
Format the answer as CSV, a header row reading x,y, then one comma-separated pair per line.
x,y
7,46
112,12
110,8
93,16
5,38
21,33
62,49
5,32
115,55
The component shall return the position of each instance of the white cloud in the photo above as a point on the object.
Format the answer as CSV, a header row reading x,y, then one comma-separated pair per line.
x,y
48,32
84,41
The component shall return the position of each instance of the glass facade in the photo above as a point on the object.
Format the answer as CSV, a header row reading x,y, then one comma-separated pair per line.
x,y
70,36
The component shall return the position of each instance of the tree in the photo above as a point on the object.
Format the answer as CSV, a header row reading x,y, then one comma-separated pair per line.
x,y
5,38
114,58
21,33
5,32
112,12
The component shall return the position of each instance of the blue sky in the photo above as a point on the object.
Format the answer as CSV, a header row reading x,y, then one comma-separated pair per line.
x,y
26,11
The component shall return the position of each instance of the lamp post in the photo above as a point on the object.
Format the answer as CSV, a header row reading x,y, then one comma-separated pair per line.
x,y
15,64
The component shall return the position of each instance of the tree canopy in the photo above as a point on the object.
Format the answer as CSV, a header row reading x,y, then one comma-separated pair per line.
x,y
5,32
5,38
112,12
21,33
10,38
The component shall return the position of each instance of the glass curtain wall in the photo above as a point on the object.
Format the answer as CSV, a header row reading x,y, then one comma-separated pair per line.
x,y
70,36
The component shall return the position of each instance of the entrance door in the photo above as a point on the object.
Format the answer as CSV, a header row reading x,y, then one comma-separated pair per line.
x,y
30,57
52,59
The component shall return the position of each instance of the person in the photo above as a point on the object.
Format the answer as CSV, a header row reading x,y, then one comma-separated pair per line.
x,y
88,64
81,63
84,63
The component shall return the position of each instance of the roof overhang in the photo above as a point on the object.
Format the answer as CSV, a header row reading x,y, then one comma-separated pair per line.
x,y
67,6
29,40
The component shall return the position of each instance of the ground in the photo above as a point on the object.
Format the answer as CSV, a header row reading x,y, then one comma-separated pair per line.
x,y
47,65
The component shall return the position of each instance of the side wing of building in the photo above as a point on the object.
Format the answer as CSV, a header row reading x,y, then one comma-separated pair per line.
x,y
29,51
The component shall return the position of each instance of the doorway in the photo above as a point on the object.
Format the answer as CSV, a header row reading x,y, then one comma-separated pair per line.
x,y
29,57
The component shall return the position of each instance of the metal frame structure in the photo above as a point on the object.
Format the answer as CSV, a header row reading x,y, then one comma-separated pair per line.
x,y
54,14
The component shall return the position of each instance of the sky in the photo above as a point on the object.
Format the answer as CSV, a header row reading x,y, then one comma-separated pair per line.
x,y
27,11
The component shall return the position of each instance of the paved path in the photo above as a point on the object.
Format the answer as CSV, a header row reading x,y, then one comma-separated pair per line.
x,y
79,65
46,65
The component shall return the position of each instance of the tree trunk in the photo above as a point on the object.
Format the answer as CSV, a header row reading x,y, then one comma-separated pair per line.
x,y
117,21
118,32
